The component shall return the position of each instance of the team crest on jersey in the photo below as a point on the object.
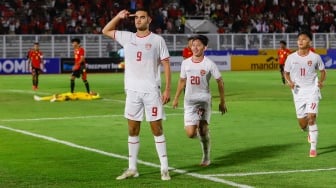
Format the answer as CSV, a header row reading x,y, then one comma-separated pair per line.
x,y
202,72
310,63
148,46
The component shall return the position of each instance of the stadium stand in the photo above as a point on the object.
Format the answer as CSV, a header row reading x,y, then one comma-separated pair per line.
x,y
169,16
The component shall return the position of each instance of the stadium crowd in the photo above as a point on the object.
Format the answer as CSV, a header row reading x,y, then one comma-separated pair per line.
x,y
169,16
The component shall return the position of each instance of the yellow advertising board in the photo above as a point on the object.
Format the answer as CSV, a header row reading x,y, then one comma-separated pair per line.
x,y
254,63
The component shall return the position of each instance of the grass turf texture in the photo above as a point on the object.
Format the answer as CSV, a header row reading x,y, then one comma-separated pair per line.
x,y
259,134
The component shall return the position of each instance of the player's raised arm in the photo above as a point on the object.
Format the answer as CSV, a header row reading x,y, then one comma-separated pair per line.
x,y
110,27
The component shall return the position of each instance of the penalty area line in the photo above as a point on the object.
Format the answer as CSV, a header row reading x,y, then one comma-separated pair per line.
x,y
73,145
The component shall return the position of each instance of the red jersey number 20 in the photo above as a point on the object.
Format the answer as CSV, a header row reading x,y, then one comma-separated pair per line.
x,y
195,80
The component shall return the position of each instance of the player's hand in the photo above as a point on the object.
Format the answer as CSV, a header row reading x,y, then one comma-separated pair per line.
x,y
165,97
291,85
124,14
320,84
175,103
222,108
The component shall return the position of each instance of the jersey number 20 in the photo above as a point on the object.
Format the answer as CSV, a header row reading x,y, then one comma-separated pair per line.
x,y
195,80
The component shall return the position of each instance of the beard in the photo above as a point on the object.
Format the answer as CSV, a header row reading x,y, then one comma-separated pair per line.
x,y
142,28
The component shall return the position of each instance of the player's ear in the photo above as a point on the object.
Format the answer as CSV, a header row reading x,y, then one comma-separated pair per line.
x,y
205,48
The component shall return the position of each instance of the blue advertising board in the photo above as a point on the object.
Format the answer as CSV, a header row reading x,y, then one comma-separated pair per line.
x,y
329,59
20,66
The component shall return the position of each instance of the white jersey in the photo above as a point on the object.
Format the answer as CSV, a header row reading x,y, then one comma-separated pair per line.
x,y
143,57
198,76
303,69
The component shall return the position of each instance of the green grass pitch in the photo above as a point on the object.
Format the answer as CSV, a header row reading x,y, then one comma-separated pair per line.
x,y
77,144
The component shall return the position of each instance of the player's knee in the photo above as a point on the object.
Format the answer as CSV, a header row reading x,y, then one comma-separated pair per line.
x,y
203,132
311,120
191,134
133,131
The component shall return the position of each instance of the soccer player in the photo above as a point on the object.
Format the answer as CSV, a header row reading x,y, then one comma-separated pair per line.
x,y
35,61
283,52
79,68
68,97
186,53
195,76
301,74
145,52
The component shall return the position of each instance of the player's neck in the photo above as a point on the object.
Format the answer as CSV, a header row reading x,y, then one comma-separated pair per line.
x,y
197,59
142,33
303,52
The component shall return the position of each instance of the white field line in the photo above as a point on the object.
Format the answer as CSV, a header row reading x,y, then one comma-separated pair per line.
x,y
70,144
104,99
75,117
23,91
271,172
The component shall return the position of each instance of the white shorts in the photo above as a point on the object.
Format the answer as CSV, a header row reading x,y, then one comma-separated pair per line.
x,y
137,103
191,112
306,100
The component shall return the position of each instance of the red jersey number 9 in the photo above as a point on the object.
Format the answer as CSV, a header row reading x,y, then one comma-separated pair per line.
x,y
154,111
139,56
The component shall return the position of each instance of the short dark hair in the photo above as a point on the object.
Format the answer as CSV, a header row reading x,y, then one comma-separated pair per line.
x,y
149,13
37,43
204,39
190,38
283,42
307,33
75,40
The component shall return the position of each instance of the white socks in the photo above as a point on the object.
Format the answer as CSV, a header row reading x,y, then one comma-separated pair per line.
x,y
160,144
205,143
133,150
313,133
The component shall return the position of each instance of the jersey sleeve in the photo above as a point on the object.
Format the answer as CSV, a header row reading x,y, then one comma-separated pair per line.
x,y
81,52
164,53
320,63
288,63
215,71
122,37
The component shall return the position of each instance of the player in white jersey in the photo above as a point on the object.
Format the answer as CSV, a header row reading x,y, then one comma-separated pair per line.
x,y
145,52
301,73
195,75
